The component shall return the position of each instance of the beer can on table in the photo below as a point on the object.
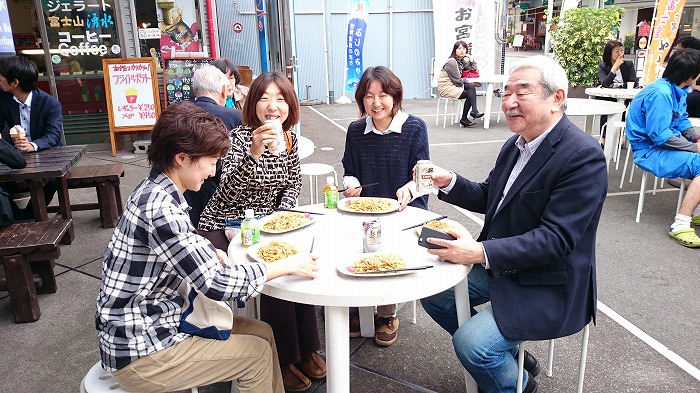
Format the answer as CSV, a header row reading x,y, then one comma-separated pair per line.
x,y
424,181
372,236
280,143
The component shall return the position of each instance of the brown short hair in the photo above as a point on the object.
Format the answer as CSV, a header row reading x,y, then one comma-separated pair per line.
x,y
257,89
391,84
184,128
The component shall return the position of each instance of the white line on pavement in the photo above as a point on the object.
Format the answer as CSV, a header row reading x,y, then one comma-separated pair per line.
x,y
329,119
657,346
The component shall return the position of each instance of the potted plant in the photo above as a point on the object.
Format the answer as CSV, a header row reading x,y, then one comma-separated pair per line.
x,y
509,39
578,47
628,43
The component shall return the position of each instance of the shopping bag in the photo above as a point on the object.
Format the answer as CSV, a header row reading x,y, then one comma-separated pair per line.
x,y
205,317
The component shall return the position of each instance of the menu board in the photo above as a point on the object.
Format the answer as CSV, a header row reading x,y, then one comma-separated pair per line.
x,y
178,78
133,100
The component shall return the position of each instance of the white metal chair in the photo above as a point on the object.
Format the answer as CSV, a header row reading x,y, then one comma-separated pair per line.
x,y
550,360
314,170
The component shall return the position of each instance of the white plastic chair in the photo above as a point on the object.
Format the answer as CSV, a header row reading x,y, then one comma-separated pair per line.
x,y
314,170
642,192
97,380
550,360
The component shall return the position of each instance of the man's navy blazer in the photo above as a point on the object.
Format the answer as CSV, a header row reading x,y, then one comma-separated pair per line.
x,y
540,242
230,116
45,124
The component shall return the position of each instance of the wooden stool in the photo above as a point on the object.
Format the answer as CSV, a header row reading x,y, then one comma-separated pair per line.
x,y
34,243
105,178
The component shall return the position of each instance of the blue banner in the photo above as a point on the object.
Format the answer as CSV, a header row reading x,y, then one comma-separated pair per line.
x,y
357,29
7,45
260,12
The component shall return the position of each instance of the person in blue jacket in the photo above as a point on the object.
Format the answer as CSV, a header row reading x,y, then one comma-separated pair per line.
x,y
663,140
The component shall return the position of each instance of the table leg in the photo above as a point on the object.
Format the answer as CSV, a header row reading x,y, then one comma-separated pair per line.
x,y
611,139
64,207
366,321
337,350
463,315
488,101
38,201
588,125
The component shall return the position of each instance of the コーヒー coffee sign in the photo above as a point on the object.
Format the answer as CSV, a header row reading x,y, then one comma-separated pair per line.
x,y
82,27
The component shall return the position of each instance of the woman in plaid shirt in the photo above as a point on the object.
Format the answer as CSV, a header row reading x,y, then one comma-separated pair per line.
x,y
154,249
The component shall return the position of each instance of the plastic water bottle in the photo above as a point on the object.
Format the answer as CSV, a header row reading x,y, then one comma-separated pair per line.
x,y
330,194
250,229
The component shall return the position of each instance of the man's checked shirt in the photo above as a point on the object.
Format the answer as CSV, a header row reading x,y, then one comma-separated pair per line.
x,y
153,249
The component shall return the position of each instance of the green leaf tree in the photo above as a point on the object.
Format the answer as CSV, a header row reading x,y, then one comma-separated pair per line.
x,y
578,38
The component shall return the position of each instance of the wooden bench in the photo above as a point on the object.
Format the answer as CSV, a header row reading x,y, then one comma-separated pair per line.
x,y
26,249
105,178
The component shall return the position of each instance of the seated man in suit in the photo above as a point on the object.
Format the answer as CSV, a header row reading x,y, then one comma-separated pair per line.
x,y
209,86
37,113
535,257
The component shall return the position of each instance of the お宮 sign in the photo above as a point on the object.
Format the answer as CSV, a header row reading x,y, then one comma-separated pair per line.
x,y
133,101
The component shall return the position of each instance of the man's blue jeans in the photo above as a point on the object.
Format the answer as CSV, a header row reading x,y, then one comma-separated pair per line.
x,y
481,348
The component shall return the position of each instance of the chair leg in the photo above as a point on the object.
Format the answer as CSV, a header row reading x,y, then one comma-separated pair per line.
x,y
444,114
642,190
550,358
624,167
414,312
680,195
521,366
582,361
366,321
437,112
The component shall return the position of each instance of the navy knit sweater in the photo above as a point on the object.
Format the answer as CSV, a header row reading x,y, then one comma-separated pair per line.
x,y
387,159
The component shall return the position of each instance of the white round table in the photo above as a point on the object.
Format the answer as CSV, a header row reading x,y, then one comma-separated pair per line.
x,y
619,94
590,108
337,237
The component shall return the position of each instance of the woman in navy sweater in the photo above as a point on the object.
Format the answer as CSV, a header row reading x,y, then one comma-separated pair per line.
x,y
383,146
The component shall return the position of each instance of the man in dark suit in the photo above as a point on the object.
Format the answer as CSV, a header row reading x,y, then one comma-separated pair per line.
x,y
535,257
37,113
209,86
23,104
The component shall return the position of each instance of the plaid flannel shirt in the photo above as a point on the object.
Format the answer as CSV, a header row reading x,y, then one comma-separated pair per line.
x,y
153,249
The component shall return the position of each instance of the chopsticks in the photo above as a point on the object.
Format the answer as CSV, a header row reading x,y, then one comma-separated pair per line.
x,y
313,240
360,186
423,223
298,211
397,270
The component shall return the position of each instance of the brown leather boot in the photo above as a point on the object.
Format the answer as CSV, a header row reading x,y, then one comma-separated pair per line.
x,y
293,379
313,365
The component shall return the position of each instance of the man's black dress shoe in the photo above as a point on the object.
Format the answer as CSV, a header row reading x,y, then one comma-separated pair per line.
x,y
466,123
531,386
531,364
477,115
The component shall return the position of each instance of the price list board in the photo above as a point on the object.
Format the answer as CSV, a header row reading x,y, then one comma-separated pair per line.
x,y
177,75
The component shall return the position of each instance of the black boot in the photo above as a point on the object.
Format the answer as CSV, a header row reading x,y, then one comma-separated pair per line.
x,y
466,123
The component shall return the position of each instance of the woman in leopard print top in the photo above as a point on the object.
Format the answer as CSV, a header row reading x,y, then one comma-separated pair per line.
x,y
254,178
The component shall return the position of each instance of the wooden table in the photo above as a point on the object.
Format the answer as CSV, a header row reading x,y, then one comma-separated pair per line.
x,y
41,167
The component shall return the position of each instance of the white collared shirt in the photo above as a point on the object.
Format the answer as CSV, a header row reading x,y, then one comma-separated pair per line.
x,y
25,115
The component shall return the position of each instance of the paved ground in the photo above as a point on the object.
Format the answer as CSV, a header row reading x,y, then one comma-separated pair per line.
x,y
643,276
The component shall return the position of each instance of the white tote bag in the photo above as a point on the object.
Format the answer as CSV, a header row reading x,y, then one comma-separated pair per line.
x,y
204,317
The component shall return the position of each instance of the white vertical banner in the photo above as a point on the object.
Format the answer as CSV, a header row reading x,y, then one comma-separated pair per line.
x,y
471,21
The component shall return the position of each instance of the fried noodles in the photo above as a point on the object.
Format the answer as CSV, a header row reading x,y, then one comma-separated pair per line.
x,y
276,250
286,221
439,225
378,262
369,205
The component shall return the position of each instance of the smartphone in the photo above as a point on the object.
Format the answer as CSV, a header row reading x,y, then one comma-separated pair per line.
x,y
430,232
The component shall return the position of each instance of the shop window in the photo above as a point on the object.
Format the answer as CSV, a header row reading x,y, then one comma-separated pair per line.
x,y
167,26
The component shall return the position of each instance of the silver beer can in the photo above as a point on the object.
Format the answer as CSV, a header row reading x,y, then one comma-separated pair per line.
x,y
424,181
280,143
372,236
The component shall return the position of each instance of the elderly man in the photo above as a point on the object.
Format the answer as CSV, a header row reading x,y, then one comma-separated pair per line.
x,y
535,257
209,87
663,140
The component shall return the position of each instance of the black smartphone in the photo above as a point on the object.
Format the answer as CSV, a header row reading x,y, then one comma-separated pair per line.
x,y
430,232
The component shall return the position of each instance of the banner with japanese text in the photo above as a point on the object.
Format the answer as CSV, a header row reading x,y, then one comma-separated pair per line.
x,y
665,27
358,15
83,31
471,21
7,44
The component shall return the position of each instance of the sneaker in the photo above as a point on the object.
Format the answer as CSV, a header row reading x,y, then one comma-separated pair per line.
x,y
386,332
686,237
355,326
